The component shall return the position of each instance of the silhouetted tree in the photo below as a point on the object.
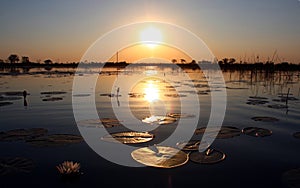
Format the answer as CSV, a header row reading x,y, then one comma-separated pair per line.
x,y
193,62
25,59
231,61
13,58
182,60
225,60
48,61
174,61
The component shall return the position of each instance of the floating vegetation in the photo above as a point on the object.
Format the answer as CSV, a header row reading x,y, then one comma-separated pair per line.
x,y
296,135
81,95
53,99
55,140
237,88
110,95
136,95
5,103
288,98
256,102
257,132
179,115
22,134
69,169
129,137
160,156
278,106
258,98
188,92
53,92
100,123
192,145
13,93
292,178
10,98
210,156
160,120
265,119
175,95
223,133
15,165
202,93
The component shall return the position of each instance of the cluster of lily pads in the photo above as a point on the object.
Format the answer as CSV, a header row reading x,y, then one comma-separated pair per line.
x,y
6,98
51,96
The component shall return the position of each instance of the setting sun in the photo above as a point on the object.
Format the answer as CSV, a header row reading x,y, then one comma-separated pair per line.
x,y
151,36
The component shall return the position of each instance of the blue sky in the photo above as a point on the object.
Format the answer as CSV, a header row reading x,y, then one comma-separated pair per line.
x,y
63,30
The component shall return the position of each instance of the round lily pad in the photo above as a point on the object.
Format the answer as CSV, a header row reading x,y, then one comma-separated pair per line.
x,y
265,119
192,145
52,99
5,103
15,165
53,92
55,140
160,120
175,95
110,95
256,102
292,178
160,156
10,98
278,106
296,135
258,98
179,115
256,132
210,156
224,132
100,123
128,137
22,134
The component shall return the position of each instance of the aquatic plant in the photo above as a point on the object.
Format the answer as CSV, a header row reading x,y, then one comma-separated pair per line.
x,y
69,168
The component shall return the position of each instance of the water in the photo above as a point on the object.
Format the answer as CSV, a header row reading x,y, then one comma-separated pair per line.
x,y
250,161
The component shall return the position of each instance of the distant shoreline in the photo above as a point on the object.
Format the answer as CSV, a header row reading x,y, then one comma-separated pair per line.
x,y
270,67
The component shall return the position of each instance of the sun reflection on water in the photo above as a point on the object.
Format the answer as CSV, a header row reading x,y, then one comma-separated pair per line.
x,y
151,92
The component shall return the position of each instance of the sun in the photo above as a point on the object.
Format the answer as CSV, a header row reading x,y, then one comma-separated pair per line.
x,y
151,36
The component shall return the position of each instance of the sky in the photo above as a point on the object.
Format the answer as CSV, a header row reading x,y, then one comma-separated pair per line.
x,y
64,30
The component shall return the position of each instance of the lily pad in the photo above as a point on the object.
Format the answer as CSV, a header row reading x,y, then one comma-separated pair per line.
x,y
292,178
265,119
160,120
22,134
100,123
296,135
10,98
210,156
175,95
5,103
257,132
192,145
110,95
136,95
278,106
15,165
53,92
129,137
179,115
52,99
160,156
55,140
256,102
13,93
81,95
258,98
224,132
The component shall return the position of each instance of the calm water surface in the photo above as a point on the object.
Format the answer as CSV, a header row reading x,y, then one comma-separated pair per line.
x,y
250,162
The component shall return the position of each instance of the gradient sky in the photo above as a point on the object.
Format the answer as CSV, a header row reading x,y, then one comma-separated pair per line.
x,y
63,30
